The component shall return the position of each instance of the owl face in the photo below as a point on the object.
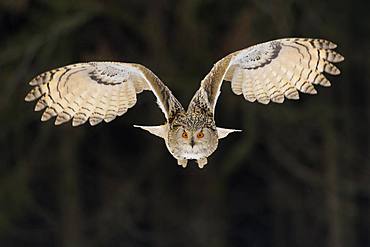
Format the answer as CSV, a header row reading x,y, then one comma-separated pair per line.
x,y
190,143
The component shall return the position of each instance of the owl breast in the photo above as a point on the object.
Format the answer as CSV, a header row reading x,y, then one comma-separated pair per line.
x,y
191,153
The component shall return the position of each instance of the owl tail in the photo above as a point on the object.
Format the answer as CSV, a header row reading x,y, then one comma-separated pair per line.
x,y
222,133
159,131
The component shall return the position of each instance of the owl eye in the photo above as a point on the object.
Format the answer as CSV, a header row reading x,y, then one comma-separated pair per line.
x,y
184,135
200,135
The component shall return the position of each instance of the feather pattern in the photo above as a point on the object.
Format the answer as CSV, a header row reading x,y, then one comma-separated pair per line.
x,y
96,91
273,70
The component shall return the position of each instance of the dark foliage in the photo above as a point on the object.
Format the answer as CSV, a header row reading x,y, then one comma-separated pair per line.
x,y
297,176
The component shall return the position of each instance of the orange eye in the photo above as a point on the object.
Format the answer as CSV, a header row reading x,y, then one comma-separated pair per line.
x,y
184,135
200,135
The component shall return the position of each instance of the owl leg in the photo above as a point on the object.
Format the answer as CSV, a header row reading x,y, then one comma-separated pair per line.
x,y
182,162
202,162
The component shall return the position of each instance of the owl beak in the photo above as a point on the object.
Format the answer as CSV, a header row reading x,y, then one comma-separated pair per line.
x,y
192,142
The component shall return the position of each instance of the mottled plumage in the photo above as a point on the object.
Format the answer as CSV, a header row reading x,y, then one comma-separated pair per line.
x,y
270,71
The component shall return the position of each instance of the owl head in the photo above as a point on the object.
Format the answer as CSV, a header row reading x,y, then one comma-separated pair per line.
x,y
187,142
194,136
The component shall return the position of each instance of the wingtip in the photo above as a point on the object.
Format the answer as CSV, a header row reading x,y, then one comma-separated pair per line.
x,y
340,58
29,97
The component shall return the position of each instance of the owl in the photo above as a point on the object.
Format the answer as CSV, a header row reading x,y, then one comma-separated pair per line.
x,y
266,72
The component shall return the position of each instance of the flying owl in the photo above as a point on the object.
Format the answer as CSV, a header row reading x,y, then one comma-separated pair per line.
x,y
270,71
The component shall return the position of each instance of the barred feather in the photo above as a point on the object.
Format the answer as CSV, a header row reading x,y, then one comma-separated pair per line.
x,y
96,91
273,70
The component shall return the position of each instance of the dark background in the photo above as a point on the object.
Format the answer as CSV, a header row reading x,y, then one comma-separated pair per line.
x,y
298,175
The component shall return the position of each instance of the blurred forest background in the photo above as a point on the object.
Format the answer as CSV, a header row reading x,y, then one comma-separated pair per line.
x,y
298,175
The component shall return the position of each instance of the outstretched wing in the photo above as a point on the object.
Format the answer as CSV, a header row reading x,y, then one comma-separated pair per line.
x,y
96,91
274,70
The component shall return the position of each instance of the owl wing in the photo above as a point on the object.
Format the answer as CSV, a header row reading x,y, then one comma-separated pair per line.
x,y
96,91
274,70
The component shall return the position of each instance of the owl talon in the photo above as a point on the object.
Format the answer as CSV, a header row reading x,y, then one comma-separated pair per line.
x,y
202,162
182,162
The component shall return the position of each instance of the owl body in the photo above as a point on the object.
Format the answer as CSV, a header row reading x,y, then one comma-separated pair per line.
x,y
192,136
100,91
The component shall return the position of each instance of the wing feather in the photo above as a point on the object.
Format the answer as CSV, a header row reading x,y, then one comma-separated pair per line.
x,y
123,101
237,81
274,70
85,109
96,91
112,108
98,113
